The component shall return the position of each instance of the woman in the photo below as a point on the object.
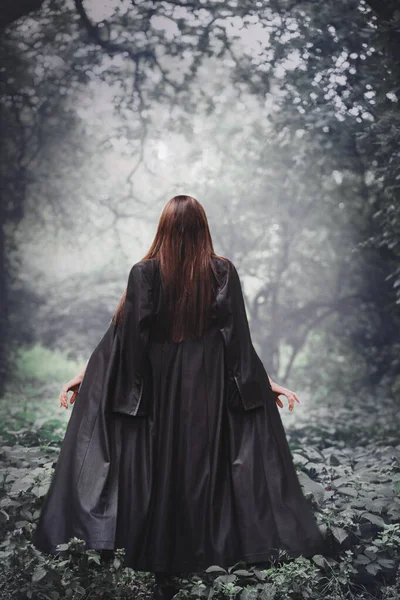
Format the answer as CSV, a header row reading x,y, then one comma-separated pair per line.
x,y
175,449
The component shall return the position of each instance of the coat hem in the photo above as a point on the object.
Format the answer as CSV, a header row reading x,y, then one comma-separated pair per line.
x,y
227,562
187,567
259,557
89,545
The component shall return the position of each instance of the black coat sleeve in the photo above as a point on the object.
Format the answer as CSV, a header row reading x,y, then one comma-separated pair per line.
x,y
244,364
133,334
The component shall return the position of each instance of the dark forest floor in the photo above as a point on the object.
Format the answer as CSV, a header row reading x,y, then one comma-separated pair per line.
x,y
347,457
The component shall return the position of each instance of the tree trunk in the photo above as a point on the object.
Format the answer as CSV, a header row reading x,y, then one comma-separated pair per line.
x,y
3,303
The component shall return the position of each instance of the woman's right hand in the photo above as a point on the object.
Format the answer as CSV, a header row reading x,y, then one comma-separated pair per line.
x,y
72,385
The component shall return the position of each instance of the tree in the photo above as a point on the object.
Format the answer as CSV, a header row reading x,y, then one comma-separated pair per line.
x,y
315,111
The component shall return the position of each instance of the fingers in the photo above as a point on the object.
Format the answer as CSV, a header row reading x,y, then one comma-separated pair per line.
x,y
279,401
292,397
63,397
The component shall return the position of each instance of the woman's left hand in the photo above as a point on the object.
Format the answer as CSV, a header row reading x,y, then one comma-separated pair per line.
x,y
291,396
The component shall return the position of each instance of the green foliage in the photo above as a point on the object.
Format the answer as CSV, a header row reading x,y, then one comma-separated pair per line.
x,y
353,487
75,573
29,412
299,168
33,419
40,364
323,150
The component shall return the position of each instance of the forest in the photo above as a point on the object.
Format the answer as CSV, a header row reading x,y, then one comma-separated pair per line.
x,y
282,118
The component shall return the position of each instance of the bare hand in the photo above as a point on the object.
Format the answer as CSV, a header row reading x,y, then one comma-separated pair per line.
x,y
291,396
72,385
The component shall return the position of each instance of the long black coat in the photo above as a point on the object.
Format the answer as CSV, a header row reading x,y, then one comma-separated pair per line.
x,y
176,451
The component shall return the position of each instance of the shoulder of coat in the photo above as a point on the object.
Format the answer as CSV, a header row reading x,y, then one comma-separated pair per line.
x,y
147,263
144,270
221,261
223,268
148,266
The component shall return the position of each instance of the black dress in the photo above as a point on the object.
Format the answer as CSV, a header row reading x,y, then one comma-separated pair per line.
x,y
190,479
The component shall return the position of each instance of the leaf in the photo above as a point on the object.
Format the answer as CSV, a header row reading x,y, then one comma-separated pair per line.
x,y
312,487
320,560
3,516
268,592
238,565
243,573
39,490
348,491
373,568
386,562
376,505
312,454
25,514
360,503
215,569
299,459
62,547
225,579
376,519
362,560
21,485
371,552
198,590
62,563
95,559
38,574
340,534
21,523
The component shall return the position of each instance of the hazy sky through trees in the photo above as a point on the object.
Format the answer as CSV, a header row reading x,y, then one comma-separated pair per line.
x,y
274,116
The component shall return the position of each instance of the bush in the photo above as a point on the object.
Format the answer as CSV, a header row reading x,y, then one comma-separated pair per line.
x,y
42,365
353,489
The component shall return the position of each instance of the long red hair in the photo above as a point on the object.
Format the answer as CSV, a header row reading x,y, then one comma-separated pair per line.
x,y
184,248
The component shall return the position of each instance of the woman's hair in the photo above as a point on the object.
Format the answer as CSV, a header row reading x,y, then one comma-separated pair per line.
x,y
184,248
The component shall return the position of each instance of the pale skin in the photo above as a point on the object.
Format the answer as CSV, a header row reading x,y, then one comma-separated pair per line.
x,y
72,386
279,390
74,383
